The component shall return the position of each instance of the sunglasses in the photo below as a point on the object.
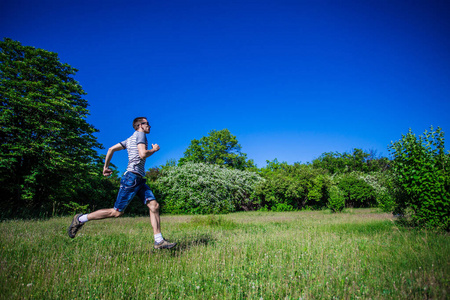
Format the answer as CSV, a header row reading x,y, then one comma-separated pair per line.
x,y
145,123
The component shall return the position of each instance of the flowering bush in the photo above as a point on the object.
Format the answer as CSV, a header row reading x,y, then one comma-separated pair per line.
x,y
199,188
382,184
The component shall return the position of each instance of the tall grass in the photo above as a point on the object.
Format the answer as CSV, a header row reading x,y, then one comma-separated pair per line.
x,y
251,255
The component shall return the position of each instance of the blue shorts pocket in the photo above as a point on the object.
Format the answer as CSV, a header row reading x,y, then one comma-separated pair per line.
x,y
129,182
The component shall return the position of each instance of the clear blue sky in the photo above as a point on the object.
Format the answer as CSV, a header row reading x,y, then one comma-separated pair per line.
x,y
290,79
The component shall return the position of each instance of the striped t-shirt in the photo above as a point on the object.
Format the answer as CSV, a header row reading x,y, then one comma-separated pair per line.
x,y
135,163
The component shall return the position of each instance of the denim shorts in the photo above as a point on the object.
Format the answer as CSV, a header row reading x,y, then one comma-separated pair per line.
x,y
131,185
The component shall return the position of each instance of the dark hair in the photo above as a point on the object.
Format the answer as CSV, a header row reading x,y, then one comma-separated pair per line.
x,y
137,122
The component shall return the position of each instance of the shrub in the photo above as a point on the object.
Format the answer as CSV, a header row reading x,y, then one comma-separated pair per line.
x,y
382,184
199,188
336,200
278,189
422,179
357,192
294,185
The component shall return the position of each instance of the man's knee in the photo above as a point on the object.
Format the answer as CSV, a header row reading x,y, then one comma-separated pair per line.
x,y
153,206
116,213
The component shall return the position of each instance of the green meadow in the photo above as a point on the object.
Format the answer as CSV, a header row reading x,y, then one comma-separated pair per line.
x,y
358,254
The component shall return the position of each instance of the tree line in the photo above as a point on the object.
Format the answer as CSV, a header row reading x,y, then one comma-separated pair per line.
x,y
50,163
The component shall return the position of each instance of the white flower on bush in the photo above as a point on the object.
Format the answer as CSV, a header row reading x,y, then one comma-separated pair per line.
x,y
206,188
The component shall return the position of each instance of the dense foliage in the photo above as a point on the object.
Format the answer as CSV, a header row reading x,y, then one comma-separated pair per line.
x,y
289,187
358,160
422,178
46,143
200,188
220,148
357,192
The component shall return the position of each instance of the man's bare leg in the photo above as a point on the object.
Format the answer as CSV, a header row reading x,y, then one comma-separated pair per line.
x,y
160,242
79,219
155,220
104,214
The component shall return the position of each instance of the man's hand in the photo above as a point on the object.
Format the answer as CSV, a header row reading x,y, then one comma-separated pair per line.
x,y
155,147
107,171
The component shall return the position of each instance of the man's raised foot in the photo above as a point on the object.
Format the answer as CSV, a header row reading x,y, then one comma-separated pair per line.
x,y
75,226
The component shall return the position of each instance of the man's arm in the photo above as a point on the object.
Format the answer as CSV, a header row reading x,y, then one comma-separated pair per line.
x,y
144,153
106,170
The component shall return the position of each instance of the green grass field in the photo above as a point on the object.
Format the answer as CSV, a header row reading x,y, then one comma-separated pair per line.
x,y
248,255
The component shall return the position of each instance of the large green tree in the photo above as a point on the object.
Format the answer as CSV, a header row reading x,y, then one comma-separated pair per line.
x,y
46,143
220,148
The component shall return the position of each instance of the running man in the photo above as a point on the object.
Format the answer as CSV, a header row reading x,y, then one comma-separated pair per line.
x,y
131,184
